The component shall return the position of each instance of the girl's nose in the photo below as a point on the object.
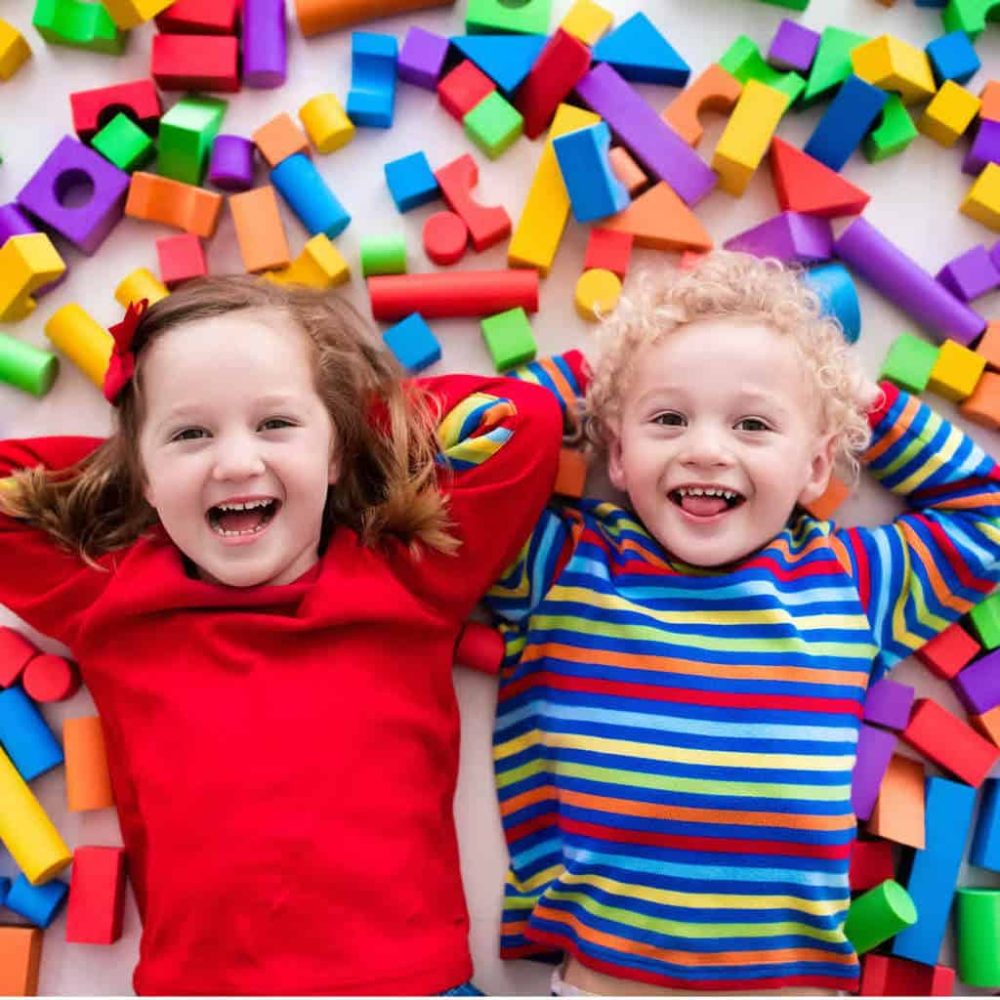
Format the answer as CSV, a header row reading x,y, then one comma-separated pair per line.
x,y
238,457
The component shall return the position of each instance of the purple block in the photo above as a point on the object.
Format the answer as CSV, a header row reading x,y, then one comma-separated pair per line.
x,y
985,148
422,57
77,193
794,47
970,275
995,255
231,165
888,704
789,236
978,685
875,748
649,138
903,281
265,47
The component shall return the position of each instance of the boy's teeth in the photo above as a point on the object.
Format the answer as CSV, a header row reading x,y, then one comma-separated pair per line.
x,y
697,491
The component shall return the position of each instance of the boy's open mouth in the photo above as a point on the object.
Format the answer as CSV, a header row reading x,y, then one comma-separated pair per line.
x,y
705,501
248,518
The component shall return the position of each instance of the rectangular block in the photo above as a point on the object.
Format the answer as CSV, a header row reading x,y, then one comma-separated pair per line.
x,y
20,958
96,895
747,135
888,704
899,812
259,229
950,743
985,852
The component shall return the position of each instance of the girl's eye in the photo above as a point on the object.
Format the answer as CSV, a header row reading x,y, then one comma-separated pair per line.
x,y
669,419
275,424
752,424
188,434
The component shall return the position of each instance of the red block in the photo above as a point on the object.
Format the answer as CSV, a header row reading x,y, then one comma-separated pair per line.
x,y
50,678
463,88
950,743
803,184
610,250
93,109
487,225
886,976
181,258
200,17
948,652
557,70
871,864
480,647
15,653
196,62
453,293
96,895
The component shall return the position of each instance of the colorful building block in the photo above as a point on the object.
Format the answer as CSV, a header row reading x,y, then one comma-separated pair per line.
x,y
747,135
445,237
640,53
626,169
588,21
505,59
968,16
160,199
79,24
659,220
82,339
849,116
949,114
187,132
480,647
596,293
196,17
280,138
832,65
383,255
264,43
88,785
463,88
196,62
307,194
609,251
20,959
372,97
15,652
594,191
317,16
231,165
26,367
93,109
978,685
318,265
259,229
971,274
874,753
13,222
50,678
487,225
952,57
571,474
825,506
411,181
988,725
789,236
983,406
453,293
326,122
985,621
27,263
744,60
838,296
14,50
950,743
422,57
990,96
131,13
138,285
888,704
181,258
893,133
956,371
509,338
984,148
37,903
909,363
559,67
122,143
982,202
96,896
871,864
949,651
878,914
989,346
885,976
716,89
530,17
793,47
889,63
413,342
899,812
25,735
977,923
494,124
985,850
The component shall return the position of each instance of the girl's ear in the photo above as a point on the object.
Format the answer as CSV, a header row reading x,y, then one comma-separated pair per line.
x,y
820,470
333,471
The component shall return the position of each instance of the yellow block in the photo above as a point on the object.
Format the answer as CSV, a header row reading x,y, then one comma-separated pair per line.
x,y
132,13
892,64
14,50
597,293
747,135
587,21
956,371
140,284
27,263
546,209
982,203
319,265
82,339
26,831
326,123
949,113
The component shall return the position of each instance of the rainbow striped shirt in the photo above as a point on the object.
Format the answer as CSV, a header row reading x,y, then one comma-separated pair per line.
x,y
674,746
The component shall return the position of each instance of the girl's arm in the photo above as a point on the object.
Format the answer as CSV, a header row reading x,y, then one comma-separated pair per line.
x,y
932,564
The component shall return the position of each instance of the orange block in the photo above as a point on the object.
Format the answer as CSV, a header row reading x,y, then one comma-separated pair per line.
x,y
88,785
822,508
259,229
715,90
20,957
983,406
571,477
989,345
899,811
990,97
317,16
160,199
660,220
626,169
988,724
280,138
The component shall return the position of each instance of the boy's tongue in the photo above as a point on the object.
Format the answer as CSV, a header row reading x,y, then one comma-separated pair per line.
x,y
703,506
241,520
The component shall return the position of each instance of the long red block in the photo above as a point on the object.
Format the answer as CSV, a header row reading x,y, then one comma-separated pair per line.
x,y
948,652
950,743
487,224
200,17
196,62
480,648
557,70
93,109
871,864
453,293
96,895
15,653
886,976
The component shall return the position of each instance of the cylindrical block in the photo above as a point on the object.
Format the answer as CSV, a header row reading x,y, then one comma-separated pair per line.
x,y
82,339
37,903
838,296
88,785
25,735
15,653
265,48
326,122
26,831
308,196
231,165
878,915
383,255
317,16
27,367
140,284
448,293
446,237
978,922
480,647
50,678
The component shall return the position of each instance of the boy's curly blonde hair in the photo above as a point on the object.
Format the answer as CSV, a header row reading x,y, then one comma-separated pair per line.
x,y
723,283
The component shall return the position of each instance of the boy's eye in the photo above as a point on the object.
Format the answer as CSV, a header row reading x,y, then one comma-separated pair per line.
x,y
275,423
669,418
752,424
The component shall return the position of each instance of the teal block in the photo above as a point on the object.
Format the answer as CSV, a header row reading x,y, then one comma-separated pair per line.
x,y
505,59
187,132
640,53
528,17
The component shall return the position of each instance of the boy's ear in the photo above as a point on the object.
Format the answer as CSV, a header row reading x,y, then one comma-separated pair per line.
x,y
820,470
616,467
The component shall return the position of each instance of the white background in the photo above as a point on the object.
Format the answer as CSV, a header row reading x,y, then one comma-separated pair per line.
x,y
915,201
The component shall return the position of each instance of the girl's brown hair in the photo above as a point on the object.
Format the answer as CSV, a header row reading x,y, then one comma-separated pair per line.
x,y
385,431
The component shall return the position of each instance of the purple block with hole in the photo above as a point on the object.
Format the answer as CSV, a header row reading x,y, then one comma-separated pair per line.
x,y
978,685
648,137
888,704
793,47
878,260
421,59
789,236
985,148
231,164
970,274
875,748
77,193
265,45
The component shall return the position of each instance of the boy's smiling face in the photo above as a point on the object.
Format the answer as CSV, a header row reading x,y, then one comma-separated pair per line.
x,y
719,437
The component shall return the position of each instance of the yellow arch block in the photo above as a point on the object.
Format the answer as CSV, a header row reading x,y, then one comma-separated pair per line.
x,y
319,265
27,263
14,50
982,203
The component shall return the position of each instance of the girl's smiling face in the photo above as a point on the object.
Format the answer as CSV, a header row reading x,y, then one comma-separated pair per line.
x,y
237,447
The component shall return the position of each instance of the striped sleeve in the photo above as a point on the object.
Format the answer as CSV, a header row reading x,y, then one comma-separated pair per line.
x,y
932,564
474,430
565,375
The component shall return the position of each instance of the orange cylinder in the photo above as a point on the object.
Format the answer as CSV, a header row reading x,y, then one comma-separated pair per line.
x,y
317,16
88,784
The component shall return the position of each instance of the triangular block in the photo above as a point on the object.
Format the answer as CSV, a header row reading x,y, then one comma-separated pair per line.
x,y
640,53
660,220
803,184
806,239
505,59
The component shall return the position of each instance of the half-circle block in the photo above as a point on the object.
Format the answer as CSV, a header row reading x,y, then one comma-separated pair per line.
x,y
715,89
160,199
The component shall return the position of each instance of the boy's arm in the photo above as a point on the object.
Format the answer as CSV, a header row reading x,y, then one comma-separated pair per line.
x,y
932,564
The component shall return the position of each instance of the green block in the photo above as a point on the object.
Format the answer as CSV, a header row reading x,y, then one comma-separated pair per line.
x,y
909,362
522,17
893,134
977,925
187,131
493,124
970,16
743,60
25,366
383,255
78,24
832,65
878,914
123,143
985,618
788,4
509,338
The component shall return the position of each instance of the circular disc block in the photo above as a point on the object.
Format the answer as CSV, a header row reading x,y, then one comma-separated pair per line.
x,y
446,237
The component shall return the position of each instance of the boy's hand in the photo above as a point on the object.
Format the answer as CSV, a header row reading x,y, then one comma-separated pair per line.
x,y
870,394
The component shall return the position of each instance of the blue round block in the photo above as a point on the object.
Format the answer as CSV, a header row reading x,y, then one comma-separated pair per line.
x,y
25,735
299,183
37,903
837,295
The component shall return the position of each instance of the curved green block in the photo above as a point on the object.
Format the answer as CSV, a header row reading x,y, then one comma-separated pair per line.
x,y
970,16
893,134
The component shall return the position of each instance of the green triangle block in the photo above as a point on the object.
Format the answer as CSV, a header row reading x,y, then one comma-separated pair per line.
x,y
832,65
639,52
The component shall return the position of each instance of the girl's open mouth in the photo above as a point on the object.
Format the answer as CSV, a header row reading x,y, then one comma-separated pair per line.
x,y
235,520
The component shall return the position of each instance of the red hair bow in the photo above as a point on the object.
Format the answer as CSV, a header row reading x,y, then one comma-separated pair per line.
x,y
121,368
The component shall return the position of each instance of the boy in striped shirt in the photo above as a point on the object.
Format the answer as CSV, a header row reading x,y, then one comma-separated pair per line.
x,y
681,696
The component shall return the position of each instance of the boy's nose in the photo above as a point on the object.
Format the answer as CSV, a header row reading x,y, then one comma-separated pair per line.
x,y
705,446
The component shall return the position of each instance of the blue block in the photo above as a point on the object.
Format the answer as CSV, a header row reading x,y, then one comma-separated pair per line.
x,y
934,872
985,851
838,296
853,111
952,57
505,59
930,3
413,342
411,181
640,53
372,95
25,735
4,888
37,903
308,196
594,191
